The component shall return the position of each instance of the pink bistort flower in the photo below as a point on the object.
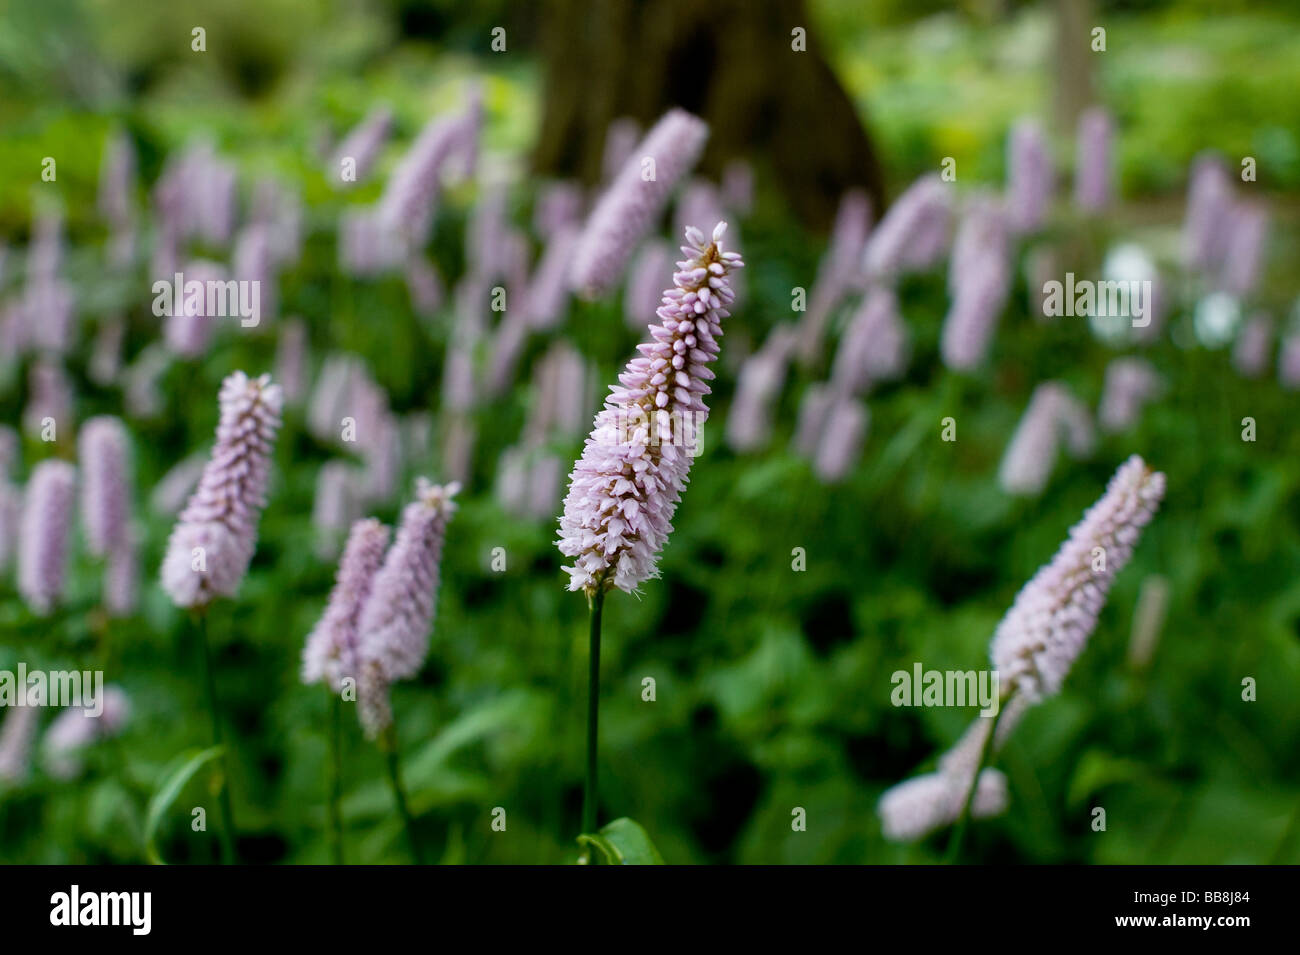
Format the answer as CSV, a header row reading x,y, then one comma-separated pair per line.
x,y
393,628
215,536
625,487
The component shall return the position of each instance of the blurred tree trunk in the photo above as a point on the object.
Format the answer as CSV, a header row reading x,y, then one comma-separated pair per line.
x,y
1074,23
728,61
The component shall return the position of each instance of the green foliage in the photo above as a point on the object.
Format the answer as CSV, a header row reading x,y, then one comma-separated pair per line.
x,y
622,842
174,781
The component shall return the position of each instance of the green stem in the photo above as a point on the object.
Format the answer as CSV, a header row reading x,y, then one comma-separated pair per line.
x,y
388,743
336,778
227,813
963,820
589,794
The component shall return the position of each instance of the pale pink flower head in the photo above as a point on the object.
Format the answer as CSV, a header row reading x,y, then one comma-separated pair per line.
x,y
47,249
1250,353
1046,628
1129,384
330,655
914,808
875,345
1033,649
17,731
215,536
50,310
43,538
486,232
979,278
424,286
1093,173
254,260
1053,414
361,147
1246,251
106,351
848,238
367,243
814,410
548,286
1209,204
49,395
758,387
103,450
76,728
410,199
1030,177
914,233
625,487
918,806
839,269
393,628
634,200
291,360
841,439
565,393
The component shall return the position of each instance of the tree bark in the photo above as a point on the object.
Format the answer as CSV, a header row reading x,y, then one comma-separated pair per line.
x,y
731,62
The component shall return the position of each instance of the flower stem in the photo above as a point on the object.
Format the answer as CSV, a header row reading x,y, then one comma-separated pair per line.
x,y
589,794
336,778
963,821
227,813
388,743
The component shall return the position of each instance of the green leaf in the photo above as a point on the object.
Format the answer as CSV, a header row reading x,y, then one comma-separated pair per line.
x,y
622,842
182,770
1097,770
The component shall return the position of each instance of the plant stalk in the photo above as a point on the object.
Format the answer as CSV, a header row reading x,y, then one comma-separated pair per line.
x,y
589,792
388,743
336,778
227,828
963,821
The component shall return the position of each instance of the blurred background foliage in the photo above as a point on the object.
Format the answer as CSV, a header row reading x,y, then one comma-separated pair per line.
x,y
772,685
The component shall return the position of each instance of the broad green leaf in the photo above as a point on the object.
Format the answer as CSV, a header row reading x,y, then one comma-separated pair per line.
x,y
623,842
182,770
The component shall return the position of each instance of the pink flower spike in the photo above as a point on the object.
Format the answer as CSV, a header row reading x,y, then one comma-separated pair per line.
x,y
393,632
44,535
1053,615
330,655
643,440
102,447
214,539
634,199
